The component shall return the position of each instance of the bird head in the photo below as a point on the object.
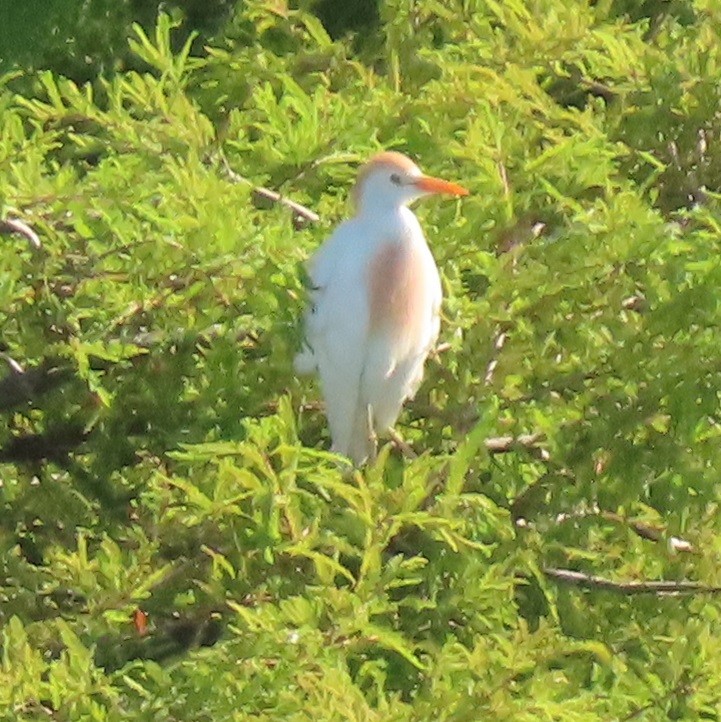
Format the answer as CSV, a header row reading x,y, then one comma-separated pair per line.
x,y
390,180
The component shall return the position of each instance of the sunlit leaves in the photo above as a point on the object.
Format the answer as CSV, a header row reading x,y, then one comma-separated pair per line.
x,y
581,281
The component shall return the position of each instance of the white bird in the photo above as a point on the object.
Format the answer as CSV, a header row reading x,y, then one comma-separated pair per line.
x,y
375,303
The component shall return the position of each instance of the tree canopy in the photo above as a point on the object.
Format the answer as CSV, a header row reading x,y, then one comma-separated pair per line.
x,y
177,542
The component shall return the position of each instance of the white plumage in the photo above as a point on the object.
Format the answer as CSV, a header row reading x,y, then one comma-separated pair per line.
x,y
374,305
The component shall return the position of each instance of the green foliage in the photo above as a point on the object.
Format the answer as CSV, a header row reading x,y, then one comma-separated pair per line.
x,y
81,40
168,460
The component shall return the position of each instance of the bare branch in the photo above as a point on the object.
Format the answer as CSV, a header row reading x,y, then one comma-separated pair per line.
x,y
645,530
270,195
637,302
660,588
403,446
15,367
14,225
498,343
504,444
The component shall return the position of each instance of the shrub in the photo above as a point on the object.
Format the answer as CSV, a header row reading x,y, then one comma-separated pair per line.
x,y
158,457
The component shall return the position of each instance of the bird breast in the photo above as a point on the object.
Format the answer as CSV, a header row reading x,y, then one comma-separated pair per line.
x,y
400,292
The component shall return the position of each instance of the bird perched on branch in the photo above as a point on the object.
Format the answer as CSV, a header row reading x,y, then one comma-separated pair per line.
x,y
375,300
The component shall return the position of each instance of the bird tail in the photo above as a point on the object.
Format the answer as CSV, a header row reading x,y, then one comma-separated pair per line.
x,y
351,429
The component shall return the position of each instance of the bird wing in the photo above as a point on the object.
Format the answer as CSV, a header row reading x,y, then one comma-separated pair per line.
x,y
320,269
337,332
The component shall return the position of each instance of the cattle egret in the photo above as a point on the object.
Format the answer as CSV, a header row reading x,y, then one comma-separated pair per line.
x,y
374,308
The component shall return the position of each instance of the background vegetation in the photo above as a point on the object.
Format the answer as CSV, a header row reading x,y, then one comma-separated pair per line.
x,y
158,458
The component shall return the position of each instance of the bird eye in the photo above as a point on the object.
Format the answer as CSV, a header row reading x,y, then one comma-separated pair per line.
x,y
395,179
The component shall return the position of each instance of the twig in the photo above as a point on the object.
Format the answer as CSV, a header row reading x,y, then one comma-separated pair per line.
x,y
15,367
270,195
498,343
403,446
660,588
504,444
644,530
13,225
297,208
637,302
651,533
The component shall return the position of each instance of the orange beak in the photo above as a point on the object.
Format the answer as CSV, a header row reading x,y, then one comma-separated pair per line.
x,y
429,184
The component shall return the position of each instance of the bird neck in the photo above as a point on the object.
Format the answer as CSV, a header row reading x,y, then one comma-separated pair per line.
x,y
387,217
382,227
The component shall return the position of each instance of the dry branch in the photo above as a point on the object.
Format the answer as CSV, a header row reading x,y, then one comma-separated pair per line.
x,y
660,588
504,444
270,195
13,225
403,446
644,530
498,343
297,208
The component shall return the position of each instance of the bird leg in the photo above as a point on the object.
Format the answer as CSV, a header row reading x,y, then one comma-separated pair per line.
x,y
372,436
